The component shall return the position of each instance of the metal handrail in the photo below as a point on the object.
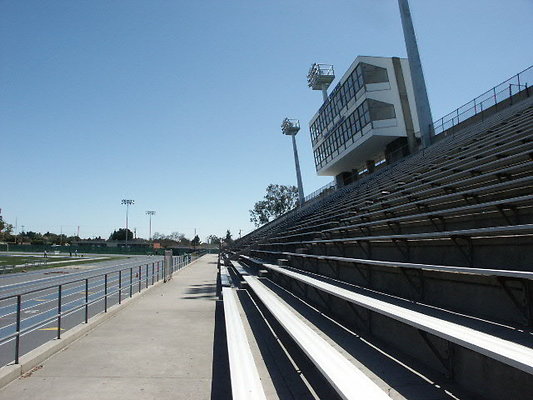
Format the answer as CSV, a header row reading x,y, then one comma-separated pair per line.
x,y
491,97
319,191
155,276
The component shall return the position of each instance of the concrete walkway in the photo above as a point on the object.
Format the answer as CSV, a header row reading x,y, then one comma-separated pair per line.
x,y
160,347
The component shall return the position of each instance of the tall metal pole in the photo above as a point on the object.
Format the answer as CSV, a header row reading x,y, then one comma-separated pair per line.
x,y
127,203
127,206
423,109
150,213
298,173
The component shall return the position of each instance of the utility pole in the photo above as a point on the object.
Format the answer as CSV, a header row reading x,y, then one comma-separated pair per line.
x,y
423,109
290,127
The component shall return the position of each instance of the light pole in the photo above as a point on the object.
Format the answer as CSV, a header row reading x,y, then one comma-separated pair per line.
x,y
150,213
127,203
423,109
291,127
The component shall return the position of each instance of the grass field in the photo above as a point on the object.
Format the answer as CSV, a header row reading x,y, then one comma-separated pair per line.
x,y
20,260
31,263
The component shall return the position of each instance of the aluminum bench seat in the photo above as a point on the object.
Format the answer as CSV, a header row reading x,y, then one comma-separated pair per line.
x,y
511,230
484,194
245,380
346,379
225,279
455,212
505,351
395,264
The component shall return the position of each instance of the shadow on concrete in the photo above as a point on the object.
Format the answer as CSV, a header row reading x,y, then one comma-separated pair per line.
x,y
207,291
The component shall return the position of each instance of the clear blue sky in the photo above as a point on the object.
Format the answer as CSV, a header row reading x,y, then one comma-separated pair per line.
x,y
178,104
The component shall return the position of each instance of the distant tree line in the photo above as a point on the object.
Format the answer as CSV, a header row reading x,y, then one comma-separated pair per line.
x,y
48,238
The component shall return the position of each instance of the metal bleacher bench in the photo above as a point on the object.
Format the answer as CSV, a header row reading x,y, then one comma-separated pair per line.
x,y
395,264
245,381
510,353
347,380
451,212
481,232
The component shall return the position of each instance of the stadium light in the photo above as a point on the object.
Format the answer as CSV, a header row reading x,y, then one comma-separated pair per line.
x,y
320,77
423,109
150,213
127,203
291,127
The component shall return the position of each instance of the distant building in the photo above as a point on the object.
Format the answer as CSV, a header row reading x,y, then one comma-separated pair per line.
x,y
368,118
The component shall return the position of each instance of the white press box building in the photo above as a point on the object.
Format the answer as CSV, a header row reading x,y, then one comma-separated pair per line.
x,y
369,116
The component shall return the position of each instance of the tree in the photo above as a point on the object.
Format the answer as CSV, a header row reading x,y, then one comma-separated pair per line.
x,y
228,239
177,236
195,242
121,235
6,230
278,200
213,239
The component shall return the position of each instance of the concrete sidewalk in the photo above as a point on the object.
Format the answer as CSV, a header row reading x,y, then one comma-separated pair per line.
x,y
160,347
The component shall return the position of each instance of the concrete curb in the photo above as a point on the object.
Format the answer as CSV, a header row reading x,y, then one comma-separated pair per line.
x,y
35,357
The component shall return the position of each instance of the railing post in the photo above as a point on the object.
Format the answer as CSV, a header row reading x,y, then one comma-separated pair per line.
x,y
119,286
153,267
86,300
59,294
140,271
131,281
17,342
510,95
105,293
146,276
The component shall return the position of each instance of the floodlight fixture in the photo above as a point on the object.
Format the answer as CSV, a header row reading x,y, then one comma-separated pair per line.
x,y
290,126
320,77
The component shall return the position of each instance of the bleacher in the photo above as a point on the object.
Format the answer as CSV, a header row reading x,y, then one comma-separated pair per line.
x,y
415,282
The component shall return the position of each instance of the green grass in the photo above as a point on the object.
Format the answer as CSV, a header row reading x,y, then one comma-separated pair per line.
x,y
21,260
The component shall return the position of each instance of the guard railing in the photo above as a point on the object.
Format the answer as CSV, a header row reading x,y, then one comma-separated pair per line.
x,y
50,305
